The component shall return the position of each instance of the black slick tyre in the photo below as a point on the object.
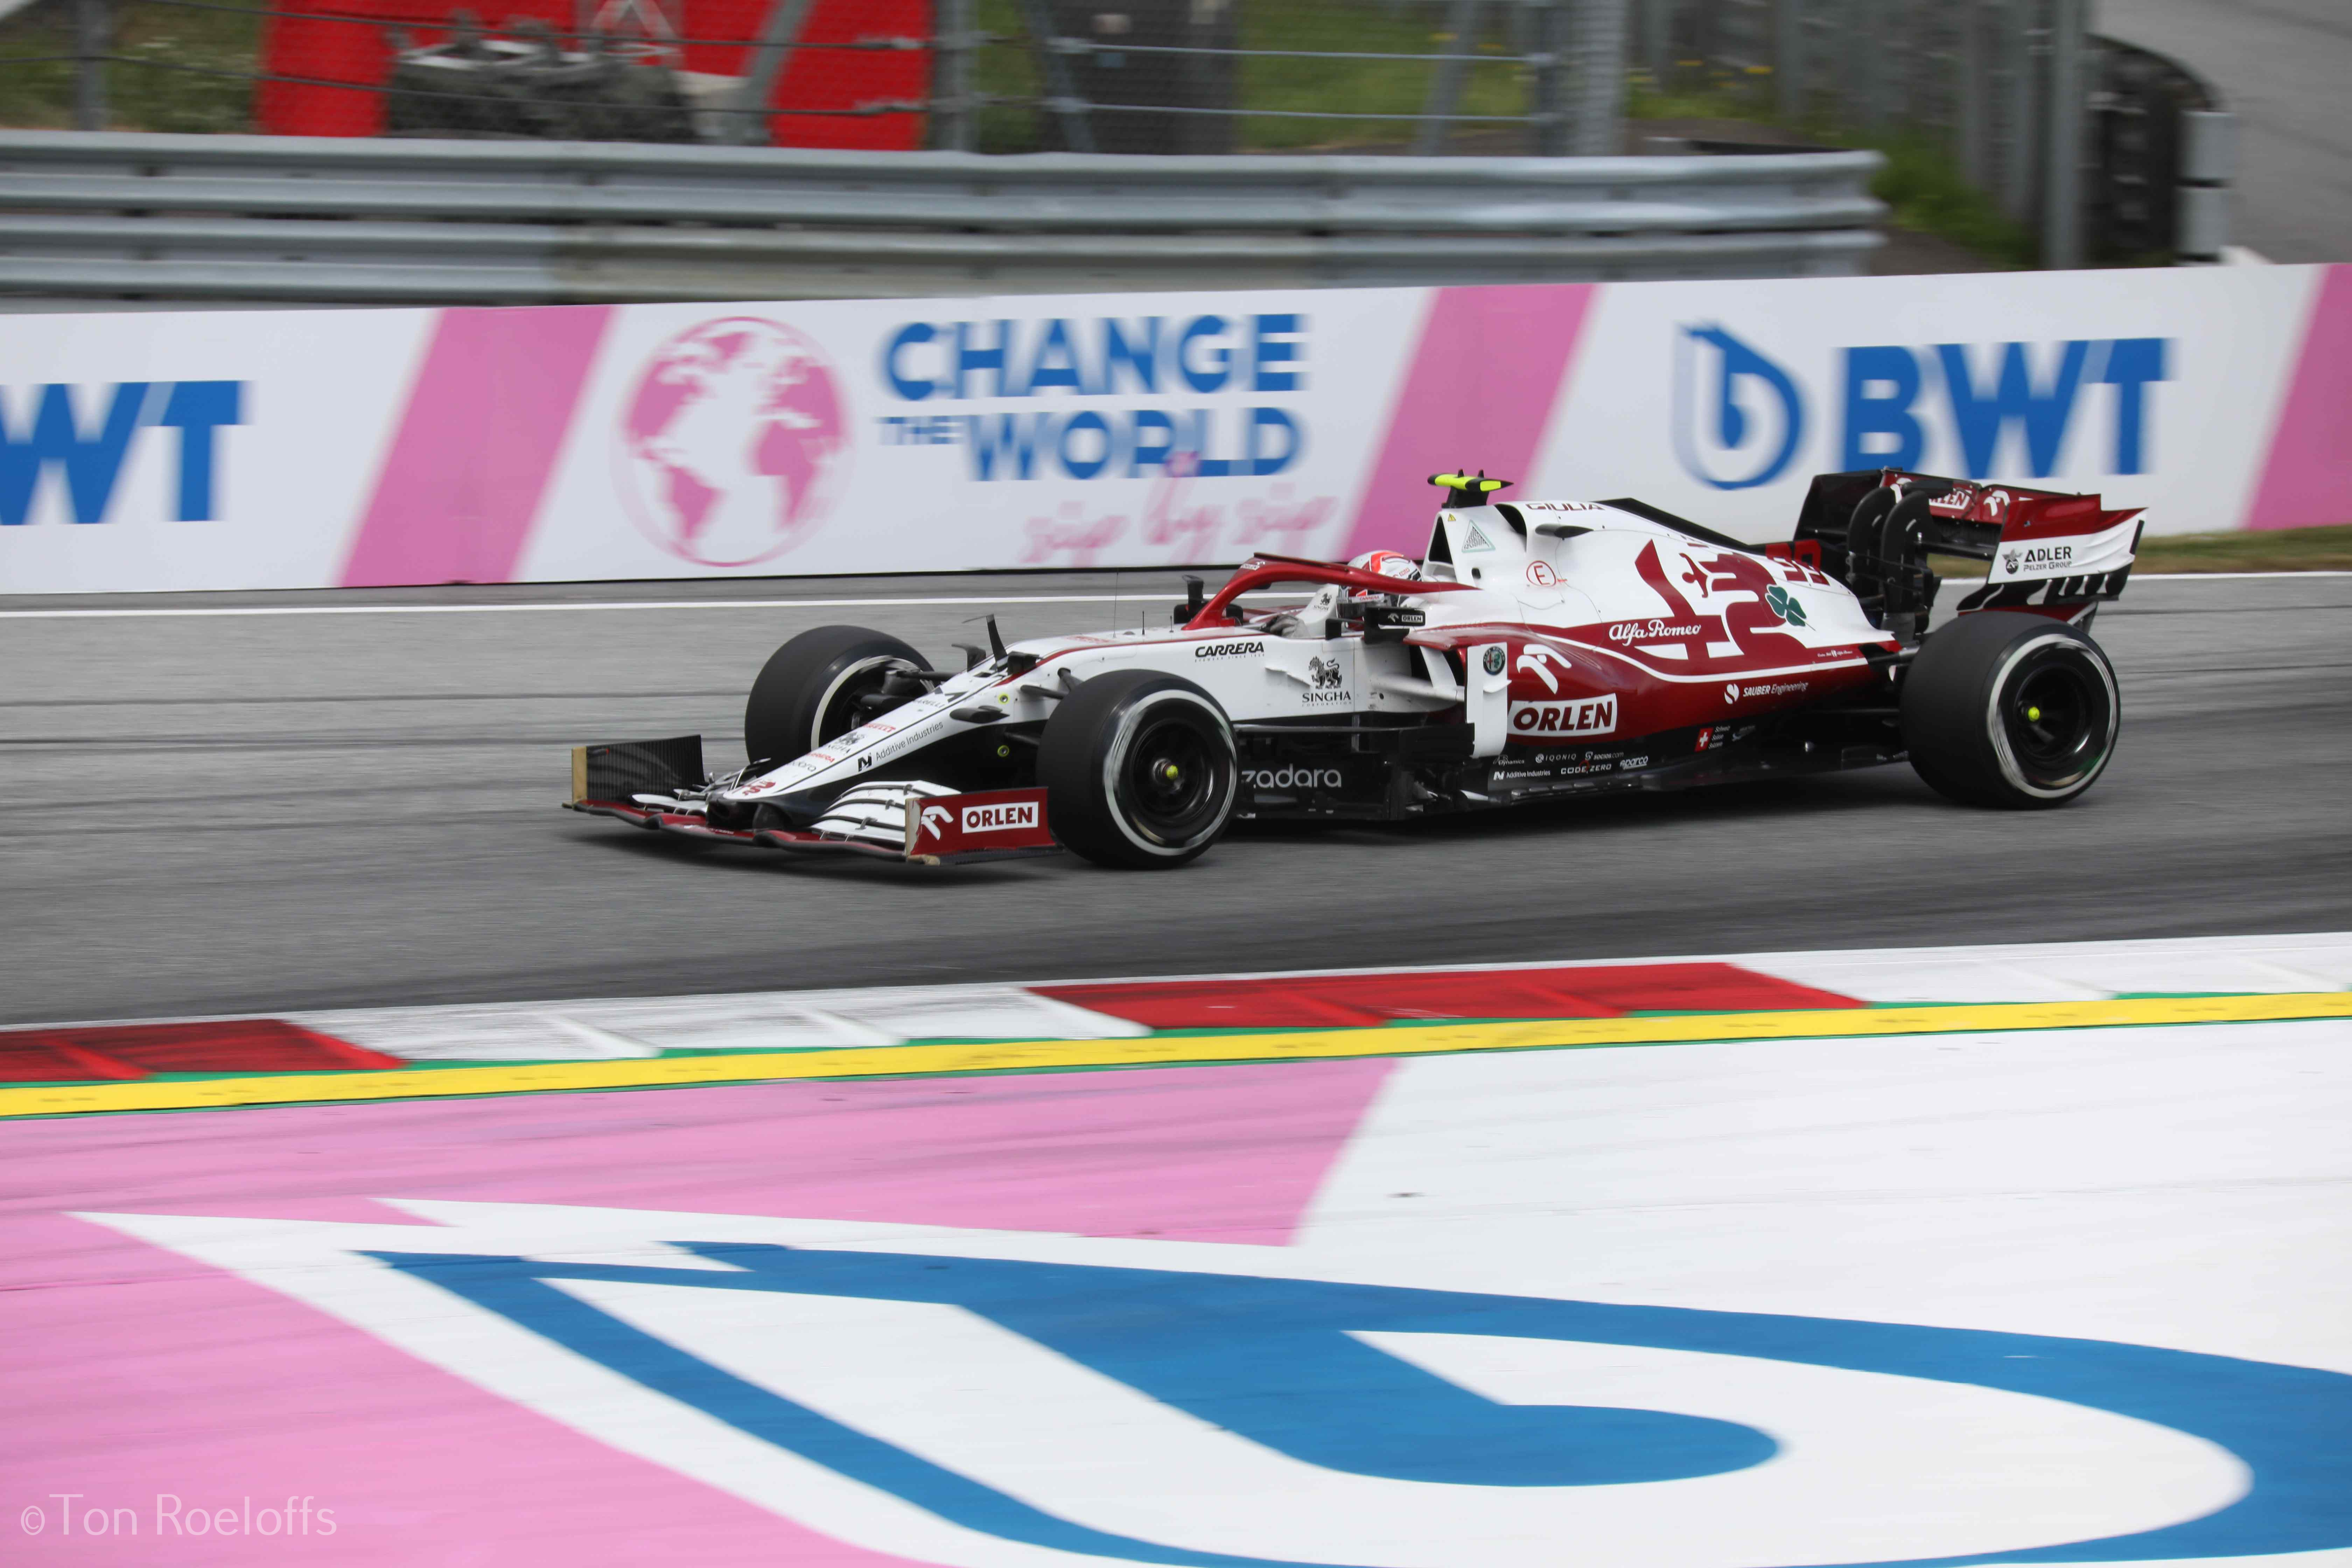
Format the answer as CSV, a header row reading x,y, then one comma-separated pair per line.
x,y
1139,770
2006,709
807,692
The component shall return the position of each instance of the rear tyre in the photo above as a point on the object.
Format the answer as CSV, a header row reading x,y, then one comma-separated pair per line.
x,y
2006,709
1138,769
808,691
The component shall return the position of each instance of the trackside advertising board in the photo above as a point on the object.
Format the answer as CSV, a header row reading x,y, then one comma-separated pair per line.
x,y
288,449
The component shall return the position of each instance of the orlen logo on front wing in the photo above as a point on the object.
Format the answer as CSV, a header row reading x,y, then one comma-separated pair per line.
x,y
1002,818
1591,716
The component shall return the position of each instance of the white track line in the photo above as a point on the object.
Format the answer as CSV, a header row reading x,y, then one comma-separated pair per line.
x,y
133,613
128,613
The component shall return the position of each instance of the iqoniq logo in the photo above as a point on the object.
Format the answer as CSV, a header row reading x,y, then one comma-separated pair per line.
x,y
1032,1391
1725,433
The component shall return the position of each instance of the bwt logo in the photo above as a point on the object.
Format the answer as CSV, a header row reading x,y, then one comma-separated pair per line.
x,y
87,439
1739,419
1718,436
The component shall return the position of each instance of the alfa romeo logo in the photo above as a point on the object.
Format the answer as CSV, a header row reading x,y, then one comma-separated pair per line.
x,y
1494,661
1784,603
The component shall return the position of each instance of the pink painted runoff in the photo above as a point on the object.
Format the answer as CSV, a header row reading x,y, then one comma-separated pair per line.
x,y
134,1372
1490,364
485,421
2308,481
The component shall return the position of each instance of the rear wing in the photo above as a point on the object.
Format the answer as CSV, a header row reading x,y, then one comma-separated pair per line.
x,y
2047,552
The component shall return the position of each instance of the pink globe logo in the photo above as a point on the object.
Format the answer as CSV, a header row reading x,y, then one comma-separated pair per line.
x,y
733,442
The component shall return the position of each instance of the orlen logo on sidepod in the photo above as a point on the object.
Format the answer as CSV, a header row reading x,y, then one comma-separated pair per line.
x,y
1589,716
734,442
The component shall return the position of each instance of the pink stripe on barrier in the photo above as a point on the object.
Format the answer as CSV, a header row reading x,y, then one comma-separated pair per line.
x,y
1490,364
485,417
2307,482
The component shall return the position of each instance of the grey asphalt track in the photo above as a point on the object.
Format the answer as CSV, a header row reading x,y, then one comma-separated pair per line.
x,y
230,812
2281,67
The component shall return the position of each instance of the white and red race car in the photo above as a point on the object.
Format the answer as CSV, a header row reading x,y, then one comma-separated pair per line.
x,y
1538,649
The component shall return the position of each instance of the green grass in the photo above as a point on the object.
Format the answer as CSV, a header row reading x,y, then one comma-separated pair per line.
x,y
1922,187
1360,86
1921,183
1494,86
2272,550
141,97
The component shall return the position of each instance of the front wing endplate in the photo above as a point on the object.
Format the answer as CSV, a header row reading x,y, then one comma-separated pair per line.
x,y
991,824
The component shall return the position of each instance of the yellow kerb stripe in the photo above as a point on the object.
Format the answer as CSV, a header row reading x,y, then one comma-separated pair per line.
x,y
1167,1050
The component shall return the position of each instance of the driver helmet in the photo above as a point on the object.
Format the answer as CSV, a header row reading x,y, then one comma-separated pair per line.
x,y
1387,563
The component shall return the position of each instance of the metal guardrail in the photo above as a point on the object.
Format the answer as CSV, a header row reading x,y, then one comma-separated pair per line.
x,y
91,216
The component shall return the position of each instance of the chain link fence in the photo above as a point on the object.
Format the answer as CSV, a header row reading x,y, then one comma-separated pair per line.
x,y
2105,152
999,76
2099,151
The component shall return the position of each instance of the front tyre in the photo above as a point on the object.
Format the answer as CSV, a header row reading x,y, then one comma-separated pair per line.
x,y
1139,770
2006,709
812,689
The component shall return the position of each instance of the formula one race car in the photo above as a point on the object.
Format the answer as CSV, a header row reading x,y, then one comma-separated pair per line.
x,y
1538,650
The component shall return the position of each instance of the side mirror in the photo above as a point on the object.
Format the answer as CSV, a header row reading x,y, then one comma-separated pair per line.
x,y
1388,623
1195,600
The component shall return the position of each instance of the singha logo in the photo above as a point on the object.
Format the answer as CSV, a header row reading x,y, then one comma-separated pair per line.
x,y
1326,672
936,819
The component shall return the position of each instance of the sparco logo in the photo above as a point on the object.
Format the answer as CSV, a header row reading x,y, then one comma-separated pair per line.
x,y
1227,649
1294,778
1593,716
1000,818
1650,631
